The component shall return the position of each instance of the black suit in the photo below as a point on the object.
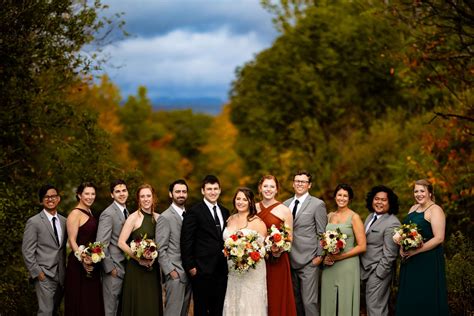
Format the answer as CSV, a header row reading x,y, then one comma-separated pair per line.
x,y
201,248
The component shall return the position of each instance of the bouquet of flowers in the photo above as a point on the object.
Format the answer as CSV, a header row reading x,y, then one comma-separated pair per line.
x,y
244,250
408,236
93,253
277,241
332,241
144,248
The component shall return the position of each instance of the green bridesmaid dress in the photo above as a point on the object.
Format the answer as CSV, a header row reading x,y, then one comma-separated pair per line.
x,y
142,286
340,283
422,289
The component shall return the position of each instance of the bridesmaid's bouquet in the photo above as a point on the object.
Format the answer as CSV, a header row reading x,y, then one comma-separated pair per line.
x,y
92,254
144,248
244,250
277,241
332,241
408,236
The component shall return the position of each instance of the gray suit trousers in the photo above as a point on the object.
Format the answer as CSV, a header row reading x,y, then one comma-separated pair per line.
x,y
111,290
176,291
377,293
49,293
306,289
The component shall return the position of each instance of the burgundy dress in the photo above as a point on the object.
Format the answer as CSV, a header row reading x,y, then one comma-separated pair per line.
x,y
83,294
281,300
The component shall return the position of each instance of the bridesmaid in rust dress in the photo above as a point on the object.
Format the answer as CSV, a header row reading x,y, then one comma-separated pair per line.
x,y
83,290
281,300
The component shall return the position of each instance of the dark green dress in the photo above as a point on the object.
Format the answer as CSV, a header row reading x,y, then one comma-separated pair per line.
x,y
142,287
422,289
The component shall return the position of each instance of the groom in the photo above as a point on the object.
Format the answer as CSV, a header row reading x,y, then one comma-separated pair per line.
x,y
201,249
309,220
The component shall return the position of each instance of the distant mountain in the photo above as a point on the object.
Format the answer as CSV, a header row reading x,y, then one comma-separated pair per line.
x,y
212,106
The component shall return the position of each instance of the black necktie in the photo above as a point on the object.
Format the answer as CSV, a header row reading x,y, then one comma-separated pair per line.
x,y
372,222
55,230
125,213
295,208
216,219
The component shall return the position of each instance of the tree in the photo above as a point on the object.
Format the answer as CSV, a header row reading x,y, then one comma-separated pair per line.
x,y
44,136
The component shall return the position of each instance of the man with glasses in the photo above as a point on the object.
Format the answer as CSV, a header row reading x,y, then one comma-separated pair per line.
x,y
44,251
110,225
309,220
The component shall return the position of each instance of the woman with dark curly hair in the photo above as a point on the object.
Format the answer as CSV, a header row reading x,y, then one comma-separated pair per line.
x,y
378,262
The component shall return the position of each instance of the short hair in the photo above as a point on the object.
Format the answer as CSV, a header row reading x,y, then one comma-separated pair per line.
x,y
250,198
427,184
210,179
179,181
84,185
345,187
44,189
392,199
269,177
116,182
305,173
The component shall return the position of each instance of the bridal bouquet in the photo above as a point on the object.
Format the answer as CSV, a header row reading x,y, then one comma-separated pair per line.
x,y
332,241
408,236
144,248
244,250
278,241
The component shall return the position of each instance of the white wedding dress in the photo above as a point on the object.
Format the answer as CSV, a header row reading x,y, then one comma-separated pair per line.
x,y
246,293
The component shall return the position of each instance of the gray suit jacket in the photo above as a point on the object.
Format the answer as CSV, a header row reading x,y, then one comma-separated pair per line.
x,y
310,221
110,225
381,251
168,236
40,249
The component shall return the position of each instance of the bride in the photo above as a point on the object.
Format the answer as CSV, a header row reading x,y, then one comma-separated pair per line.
x,y
246,291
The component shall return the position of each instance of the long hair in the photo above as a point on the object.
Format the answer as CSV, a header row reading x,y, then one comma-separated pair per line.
x,y
154,200
427,184
250,198
393,205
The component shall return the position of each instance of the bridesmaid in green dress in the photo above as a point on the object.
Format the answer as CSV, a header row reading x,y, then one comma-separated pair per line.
x,y
340,284
142,285
422,289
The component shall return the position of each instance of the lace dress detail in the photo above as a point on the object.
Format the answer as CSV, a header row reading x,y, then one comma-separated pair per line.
x,y
247,292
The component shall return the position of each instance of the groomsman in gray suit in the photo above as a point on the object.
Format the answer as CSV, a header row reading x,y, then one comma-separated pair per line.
x,y
44,251
110,224
309,220
378,262
168,235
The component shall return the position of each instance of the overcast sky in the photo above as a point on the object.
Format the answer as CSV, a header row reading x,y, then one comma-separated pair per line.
x,y
183,49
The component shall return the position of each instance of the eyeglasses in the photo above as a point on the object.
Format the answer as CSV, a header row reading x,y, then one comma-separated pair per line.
x,y
50,197
300,181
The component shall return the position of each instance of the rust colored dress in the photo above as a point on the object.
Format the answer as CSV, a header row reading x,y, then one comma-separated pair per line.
x,y
281,300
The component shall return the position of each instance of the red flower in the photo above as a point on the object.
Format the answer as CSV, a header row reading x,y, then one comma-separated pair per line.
x,y
340,244
255,256
96,250
276,237
234,237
